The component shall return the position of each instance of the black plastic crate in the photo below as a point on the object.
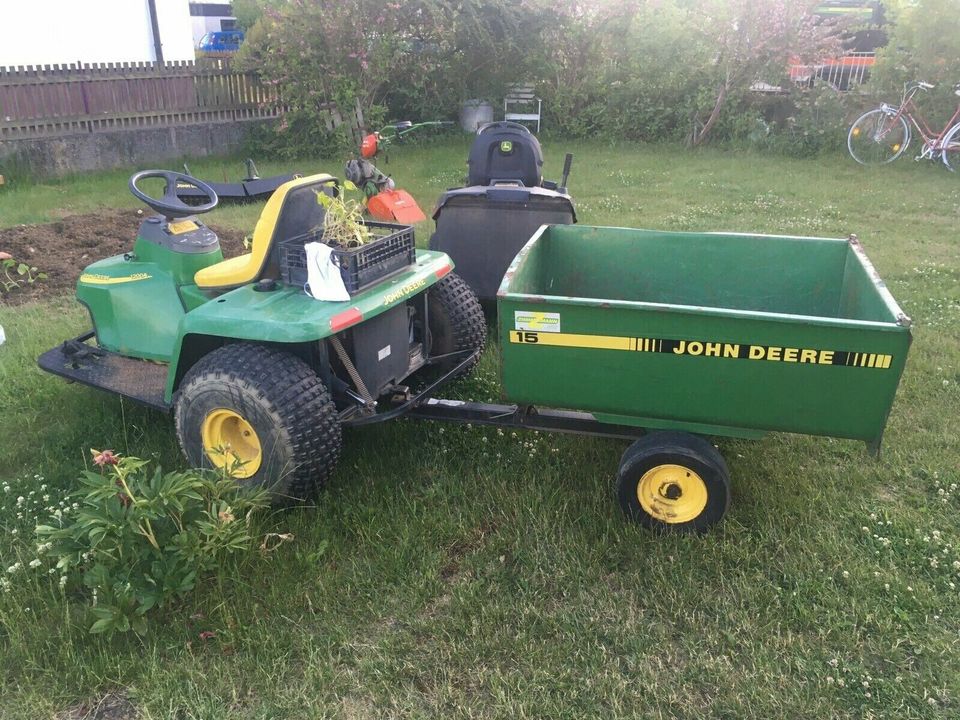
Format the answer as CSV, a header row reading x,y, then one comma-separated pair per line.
x,y
360,267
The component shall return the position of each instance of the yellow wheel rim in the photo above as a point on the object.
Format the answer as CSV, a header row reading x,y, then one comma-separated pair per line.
x,y
228,437
672,493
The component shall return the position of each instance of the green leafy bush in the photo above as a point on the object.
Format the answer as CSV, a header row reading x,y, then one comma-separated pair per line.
x,y
142,537
924,44
807,123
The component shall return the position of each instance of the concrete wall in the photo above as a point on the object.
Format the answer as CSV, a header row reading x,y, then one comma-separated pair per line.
x,y
48,32
138,148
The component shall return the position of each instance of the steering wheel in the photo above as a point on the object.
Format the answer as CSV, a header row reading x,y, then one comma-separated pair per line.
x,y
171,206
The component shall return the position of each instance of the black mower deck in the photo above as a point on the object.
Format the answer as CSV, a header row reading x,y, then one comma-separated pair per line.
x,y
142,381
249,190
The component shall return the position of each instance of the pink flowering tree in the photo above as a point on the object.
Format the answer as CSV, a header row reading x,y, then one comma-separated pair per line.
x,y
419,58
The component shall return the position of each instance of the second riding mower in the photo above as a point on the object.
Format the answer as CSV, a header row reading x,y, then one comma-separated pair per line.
x,y
385,202
483,226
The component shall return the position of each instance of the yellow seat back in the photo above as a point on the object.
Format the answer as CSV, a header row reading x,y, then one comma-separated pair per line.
x,y
291,210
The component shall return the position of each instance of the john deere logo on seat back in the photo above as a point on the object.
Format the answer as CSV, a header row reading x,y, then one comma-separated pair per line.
x,y
506,147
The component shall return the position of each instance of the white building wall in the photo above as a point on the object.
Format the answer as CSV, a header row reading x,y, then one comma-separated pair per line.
x,y
203,25
47,32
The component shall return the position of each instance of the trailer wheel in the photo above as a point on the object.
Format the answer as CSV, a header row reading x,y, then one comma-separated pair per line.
x,y
673,482
456,321
265,408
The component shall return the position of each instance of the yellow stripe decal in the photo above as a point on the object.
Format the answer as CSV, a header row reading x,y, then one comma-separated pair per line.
x,y
597,342
705,348
95,279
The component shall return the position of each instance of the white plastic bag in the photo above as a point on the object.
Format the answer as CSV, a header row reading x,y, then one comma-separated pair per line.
x,y
323,277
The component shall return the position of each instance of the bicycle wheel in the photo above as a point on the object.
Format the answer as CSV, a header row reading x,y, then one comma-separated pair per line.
x,y
878,137
951,149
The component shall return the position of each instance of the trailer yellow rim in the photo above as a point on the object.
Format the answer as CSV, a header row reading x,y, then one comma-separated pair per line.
x,y
672,493
228,437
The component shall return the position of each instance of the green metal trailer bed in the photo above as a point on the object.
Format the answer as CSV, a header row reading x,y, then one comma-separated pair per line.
x,y
705,333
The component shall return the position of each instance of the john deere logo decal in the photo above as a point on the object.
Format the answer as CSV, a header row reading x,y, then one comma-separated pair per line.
x,y
506,146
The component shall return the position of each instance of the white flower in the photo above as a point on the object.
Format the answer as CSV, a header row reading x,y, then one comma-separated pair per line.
x,y
35,563
846,573
13,568
63,580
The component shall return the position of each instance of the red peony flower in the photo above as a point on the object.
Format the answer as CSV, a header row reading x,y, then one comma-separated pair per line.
x,y
105,457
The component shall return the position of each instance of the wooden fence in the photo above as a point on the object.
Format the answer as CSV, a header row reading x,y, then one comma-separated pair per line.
x,y
66,99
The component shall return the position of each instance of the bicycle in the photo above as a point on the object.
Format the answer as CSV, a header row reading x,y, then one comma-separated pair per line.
x,y
882,135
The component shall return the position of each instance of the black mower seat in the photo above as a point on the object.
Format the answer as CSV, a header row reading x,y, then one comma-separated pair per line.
x,y
292,210
505,152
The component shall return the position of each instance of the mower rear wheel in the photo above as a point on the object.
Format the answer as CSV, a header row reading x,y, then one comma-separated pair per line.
x,y
456,322
264,414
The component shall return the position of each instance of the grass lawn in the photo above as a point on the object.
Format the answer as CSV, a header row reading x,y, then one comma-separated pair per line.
x,y
457,572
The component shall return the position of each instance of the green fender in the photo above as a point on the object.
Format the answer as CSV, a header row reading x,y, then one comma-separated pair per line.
x,y
287,315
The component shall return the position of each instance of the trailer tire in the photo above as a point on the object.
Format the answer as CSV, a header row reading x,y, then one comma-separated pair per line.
x,y
673,482
456,322
273,411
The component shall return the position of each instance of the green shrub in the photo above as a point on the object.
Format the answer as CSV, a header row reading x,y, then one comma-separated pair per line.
x,y
298,134
812,121
142,537
924,44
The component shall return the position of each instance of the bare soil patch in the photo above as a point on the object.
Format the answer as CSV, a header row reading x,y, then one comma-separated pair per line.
x,y
62,249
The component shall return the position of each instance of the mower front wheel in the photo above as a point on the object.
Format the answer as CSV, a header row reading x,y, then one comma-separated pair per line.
x,y
263,414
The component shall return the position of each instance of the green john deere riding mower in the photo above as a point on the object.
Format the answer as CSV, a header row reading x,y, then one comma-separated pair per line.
x,y
259,375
